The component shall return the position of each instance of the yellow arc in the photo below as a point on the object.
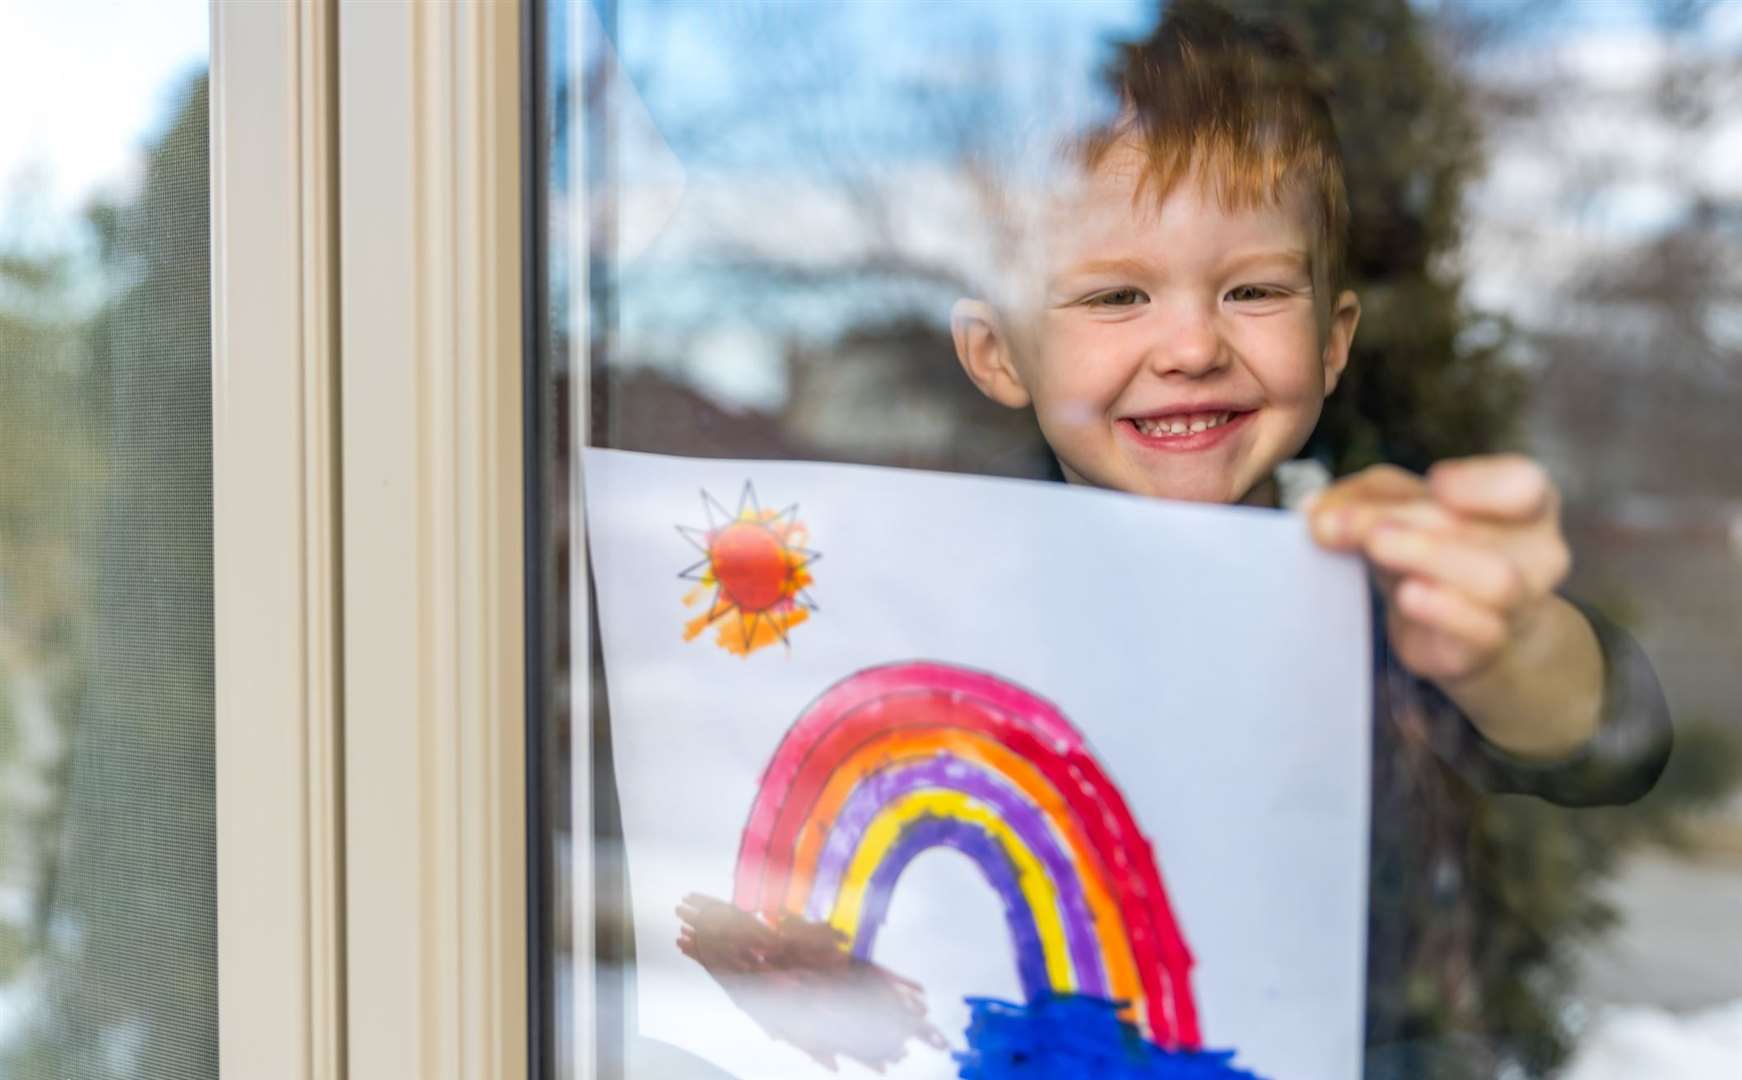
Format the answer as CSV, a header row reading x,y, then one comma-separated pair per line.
x,y
1037,888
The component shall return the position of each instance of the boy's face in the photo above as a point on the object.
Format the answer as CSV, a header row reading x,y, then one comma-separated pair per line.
x,y
1178,351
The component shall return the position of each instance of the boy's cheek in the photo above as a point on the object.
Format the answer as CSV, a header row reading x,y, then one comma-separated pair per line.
x,y
1067,414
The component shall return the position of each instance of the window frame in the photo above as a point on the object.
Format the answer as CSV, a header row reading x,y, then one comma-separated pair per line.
x,y
432,509
275,574
368,563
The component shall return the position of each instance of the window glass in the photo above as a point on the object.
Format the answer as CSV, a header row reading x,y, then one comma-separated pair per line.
x,y
761,214
108,963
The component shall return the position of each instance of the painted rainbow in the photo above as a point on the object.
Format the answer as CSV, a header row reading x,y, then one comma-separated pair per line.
x,y
898,760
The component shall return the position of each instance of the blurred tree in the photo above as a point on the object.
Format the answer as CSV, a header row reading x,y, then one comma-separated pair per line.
x,y
124,939
839,202
1427,377
51,467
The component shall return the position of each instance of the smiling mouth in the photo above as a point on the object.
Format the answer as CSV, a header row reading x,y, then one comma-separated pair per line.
x,y
1183,424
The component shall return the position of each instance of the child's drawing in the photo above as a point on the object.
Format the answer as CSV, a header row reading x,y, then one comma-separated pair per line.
x,y
898,760
755,563
1065,785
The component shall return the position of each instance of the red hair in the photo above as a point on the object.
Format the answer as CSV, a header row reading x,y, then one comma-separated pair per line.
x,y
1237,106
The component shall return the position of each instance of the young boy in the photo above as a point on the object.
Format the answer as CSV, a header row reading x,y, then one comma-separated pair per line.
x,y
1189,326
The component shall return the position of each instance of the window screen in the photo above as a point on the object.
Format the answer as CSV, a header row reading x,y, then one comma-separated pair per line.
x,y
108,965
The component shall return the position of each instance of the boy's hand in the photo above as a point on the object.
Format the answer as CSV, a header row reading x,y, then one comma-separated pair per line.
x,y
1467,557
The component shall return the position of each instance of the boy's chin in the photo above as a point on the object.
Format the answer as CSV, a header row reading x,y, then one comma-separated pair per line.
x,y
1220,495
1226,491
1200,482
1208,486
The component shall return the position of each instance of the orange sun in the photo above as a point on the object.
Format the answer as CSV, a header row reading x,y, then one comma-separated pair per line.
x,y
755,563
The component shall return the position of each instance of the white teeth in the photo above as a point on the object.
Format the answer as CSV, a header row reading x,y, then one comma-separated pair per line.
x,y
1183,424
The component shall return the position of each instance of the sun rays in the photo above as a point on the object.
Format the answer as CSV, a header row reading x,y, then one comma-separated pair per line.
x,y
756,565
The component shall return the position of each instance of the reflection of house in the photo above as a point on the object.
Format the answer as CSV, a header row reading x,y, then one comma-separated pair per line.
x,y
868,397
644,409
885,395
894,394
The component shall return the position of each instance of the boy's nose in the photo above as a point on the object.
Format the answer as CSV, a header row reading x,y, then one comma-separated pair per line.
x,y
1188,345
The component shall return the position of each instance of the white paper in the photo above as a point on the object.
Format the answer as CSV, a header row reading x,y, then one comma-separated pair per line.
x,y
1216,663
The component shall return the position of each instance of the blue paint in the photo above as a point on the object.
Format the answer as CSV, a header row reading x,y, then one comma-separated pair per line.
x,y
1066,1037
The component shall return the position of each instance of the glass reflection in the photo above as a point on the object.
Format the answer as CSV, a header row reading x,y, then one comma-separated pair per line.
x,y
772,207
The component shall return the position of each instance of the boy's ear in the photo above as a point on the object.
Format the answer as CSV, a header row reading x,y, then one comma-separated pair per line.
x,y
1345,316
984,348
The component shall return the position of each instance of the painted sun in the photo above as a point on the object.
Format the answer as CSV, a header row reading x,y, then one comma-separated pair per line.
x,y
752,574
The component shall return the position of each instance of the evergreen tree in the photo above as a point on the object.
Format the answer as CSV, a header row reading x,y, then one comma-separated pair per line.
x,y
1427,378
1502,888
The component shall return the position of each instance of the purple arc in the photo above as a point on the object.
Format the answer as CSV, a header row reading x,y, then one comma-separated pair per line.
x,y
977,844
947,773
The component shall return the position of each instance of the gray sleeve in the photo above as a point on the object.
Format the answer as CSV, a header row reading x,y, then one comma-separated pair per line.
x,y
1620,763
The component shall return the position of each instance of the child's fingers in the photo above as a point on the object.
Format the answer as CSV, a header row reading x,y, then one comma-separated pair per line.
x,y
1481,629
1507,487
1379,482
1349,525
1341,514
1479,571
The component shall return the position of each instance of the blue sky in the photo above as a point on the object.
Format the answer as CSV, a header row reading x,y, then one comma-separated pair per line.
x,y
768,99
117,66
85,84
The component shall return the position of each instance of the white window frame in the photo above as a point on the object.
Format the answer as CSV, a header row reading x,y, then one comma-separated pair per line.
x,y
275,569
429,228
368,539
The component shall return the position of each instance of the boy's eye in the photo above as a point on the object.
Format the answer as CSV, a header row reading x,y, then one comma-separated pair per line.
x,y
1122,297
1250,292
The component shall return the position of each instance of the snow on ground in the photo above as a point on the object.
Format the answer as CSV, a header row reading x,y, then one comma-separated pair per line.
x,y
1676,945
1643,1043
1664,988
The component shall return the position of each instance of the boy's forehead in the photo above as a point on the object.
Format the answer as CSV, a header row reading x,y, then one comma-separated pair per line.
x,y
1111,210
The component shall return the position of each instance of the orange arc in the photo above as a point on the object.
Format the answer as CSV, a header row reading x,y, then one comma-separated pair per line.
x,y
905,744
